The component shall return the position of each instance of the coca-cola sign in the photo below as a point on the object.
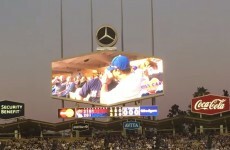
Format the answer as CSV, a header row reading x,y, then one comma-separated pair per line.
x,y
210,104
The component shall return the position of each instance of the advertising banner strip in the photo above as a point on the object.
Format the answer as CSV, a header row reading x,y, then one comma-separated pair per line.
x,y
100,112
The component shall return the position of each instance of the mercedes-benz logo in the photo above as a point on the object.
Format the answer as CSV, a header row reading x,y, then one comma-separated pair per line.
x,y
106,36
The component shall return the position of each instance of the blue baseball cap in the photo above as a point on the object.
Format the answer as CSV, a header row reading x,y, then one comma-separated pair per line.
x,y
120,62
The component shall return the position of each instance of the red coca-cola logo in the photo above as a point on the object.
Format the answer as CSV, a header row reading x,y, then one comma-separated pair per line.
x,y
210,104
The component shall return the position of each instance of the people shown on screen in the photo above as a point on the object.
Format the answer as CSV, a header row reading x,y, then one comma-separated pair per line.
x,y
90,91
129,83
122,80
58,85
77,80
150,68
152,82
70,87
83,80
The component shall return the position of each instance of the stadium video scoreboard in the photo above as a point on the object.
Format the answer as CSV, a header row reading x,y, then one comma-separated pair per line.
x,y
100,112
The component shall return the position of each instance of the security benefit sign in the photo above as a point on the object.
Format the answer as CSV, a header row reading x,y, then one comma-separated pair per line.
x,y
80,126
131,125
9,109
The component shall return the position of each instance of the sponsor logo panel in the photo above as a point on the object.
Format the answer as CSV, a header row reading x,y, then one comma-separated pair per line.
x,y
10,109
131,125
149,110
80,126
66,113
210,104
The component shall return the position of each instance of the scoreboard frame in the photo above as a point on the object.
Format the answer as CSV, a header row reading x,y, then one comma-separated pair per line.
x,y
102,112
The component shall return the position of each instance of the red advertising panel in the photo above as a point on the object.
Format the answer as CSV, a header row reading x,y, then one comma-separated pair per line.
x,y
210,104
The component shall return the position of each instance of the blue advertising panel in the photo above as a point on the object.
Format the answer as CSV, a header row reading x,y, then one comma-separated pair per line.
x,y
149,110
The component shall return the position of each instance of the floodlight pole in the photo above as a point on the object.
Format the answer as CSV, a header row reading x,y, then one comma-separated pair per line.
x,y
91,13
122,34
61,23
61,28
153,99
152,27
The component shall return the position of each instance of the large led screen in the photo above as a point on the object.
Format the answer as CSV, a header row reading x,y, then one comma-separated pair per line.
x,y
107,78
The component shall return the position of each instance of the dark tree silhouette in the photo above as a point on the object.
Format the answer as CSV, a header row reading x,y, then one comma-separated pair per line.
x,y
175,111
225,93
201,91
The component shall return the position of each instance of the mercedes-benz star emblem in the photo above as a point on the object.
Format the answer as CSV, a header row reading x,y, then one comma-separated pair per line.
x,y
106,36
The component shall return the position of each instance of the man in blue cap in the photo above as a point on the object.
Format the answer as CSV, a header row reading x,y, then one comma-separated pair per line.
x,y
129,86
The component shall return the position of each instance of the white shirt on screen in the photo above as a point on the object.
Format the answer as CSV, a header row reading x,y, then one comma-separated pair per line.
x,y
128,88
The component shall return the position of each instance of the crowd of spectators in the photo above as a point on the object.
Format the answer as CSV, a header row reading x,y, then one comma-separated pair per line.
x,y
64,84
119,142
